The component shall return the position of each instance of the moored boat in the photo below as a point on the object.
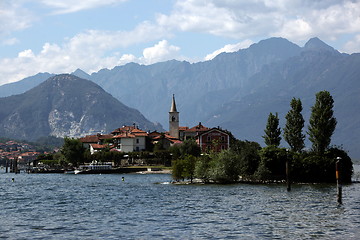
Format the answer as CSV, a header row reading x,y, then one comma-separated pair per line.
x,y
94,167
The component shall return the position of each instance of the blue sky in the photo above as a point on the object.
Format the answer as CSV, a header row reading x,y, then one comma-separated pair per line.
x,y
59,36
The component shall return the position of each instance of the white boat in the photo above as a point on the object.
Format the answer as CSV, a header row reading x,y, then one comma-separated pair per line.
x,y
94,167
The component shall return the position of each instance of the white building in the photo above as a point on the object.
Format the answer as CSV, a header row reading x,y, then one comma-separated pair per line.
x,y
129,139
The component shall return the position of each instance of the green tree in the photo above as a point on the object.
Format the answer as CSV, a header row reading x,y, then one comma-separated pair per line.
x,y
322,122
202,168
158,147
162,157
177,169
190,147
73,151
293,133
272,131
184,168
189,167
224,167
60,158
272,164
248,153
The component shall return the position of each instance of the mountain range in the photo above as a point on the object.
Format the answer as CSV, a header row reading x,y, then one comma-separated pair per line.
x,y
238,90
65,105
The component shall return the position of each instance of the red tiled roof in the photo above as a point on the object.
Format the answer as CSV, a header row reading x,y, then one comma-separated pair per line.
x,y
183,128
171,138
114,150
130,130
95,138
138,133
124,135
123,129
213,129
98,146
198,128
154,134
89,139
29,154
105,136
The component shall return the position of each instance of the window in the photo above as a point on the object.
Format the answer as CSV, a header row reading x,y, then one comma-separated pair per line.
x,y
209,139
137,140
222,138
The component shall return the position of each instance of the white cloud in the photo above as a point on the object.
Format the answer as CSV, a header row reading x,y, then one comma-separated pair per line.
x,y
10,41
127,58
297,29
88,51
13,17
353,45
161,51
26,54
229,48
296,20
203,16
70,6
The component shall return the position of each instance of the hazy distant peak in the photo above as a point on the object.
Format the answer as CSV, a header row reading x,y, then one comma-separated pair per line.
x,y
273,42
318,45
80,73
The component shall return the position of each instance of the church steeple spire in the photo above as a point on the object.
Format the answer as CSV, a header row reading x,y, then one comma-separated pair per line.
x,y
173,104
173,119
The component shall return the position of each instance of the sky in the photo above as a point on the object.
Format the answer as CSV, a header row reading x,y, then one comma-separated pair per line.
x,y
59,36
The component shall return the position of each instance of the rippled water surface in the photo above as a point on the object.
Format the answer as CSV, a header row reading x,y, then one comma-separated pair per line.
x,y
62,206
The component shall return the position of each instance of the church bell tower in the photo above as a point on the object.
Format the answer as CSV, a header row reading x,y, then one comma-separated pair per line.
x,y
173,120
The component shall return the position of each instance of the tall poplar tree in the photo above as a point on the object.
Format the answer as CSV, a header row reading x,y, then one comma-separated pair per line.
x,y
272,131
293,133
322,122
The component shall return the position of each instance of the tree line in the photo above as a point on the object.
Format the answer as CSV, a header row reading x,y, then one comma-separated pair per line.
x,y
248,161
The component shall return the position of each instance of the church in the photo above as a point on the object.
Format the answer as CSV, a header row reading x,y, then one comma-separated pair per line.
x,y
209,139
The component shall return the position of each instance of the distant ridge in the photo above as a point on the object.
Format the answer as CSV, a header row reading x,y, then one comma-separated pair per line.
x,y
65,105
23,85
81,74
318,45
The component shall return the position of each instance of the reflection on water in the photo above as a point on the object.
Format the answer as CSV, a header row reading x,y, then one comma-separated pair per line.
x,y
60,206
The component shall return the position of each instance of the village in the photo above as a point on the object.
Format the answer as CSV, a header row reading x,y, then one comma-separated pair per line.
x,y
127,140
16,151
132,139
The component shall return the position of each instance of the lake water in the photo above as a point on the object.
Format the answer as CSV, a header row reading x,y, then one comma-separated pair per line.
x,y
63,206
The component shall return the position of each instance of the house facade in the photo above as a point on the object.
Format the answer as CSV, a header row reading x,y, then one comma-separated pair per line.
x,y
214,139
129,139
